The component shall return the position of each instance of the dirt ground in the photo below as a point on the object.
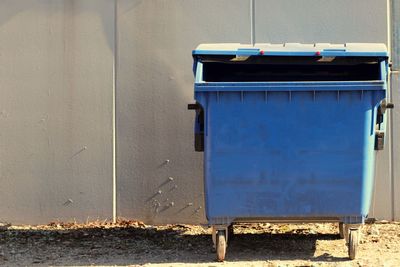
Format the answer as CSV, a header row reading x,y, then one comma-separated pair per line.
x,y
133,243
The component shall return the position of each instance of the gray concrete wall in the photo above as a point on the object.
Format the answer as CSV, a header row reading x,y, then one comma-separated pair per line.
x,y
56,108
395,40
155,84
395,187
56,80
323,21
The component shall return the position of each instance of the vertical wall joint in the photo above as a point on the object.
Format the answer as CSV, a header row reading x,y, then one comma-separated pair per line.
x,y
252,22
114,160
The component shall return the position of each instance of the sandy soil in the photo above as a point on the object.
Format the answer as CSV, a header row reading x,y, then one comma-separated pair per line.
x,y
133,243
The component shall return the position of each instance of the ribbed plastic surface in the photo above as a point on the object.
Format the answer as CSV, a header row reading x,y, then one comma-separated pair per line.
x,y
289,149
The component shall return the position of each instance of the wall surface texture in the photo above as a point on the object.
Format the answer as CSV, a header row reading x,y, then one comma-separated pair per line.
x,y
155,84
395,119
61,61
56,77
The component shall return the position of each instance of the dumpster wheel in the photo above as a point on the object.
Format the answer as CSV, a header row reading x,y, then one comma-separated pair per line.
x,y
353,243
221,245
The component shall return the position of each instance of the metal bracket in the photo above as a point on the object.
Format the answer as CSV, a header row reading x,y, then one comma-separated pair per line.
x,y
379,140
385,105
214,230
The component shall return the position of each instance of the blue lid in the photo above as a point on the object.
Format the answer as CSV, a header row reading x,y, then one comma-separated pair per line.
x,y
294,49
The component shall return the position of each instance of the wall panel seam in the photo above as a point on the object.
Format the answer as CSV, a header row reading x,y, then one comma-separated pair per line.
x,y
114,167
252,22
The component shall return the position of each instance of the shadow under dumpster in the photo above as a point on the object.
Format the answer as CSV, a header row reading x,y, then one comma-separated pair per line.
x,y
248,247
118,245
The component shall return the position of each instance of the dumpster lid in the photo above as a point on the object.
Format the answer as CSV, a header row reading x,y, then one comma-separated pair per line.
x,y
294,49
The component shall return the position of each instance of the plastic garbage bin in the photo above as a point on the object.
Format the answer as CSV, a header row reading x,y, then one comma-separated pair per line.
x,y
289,132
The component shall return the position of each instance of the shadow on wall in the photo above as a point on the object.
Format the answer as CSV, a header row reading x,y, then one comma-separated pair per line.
x,y
99,9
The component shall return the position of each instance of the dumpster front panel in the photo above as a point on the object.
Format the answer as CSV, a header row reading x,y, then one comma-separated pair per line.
x,y
289,131
288,153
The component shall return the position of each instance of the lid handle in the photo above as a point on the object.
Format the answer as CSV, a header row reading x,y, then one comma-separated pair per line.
x,y
247,51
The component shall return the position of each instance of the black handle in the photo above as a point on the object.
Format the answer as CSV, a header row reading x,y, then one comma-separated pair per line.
x,y
389,105
193,106
385,105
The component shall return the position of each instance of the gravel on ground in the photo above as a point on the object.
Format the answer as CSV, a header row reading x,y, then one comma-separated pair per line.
x,y
132,243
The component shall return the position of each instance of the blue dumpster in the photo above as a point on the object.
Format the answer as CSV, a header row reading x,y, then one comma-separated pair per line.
x,y
289,132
